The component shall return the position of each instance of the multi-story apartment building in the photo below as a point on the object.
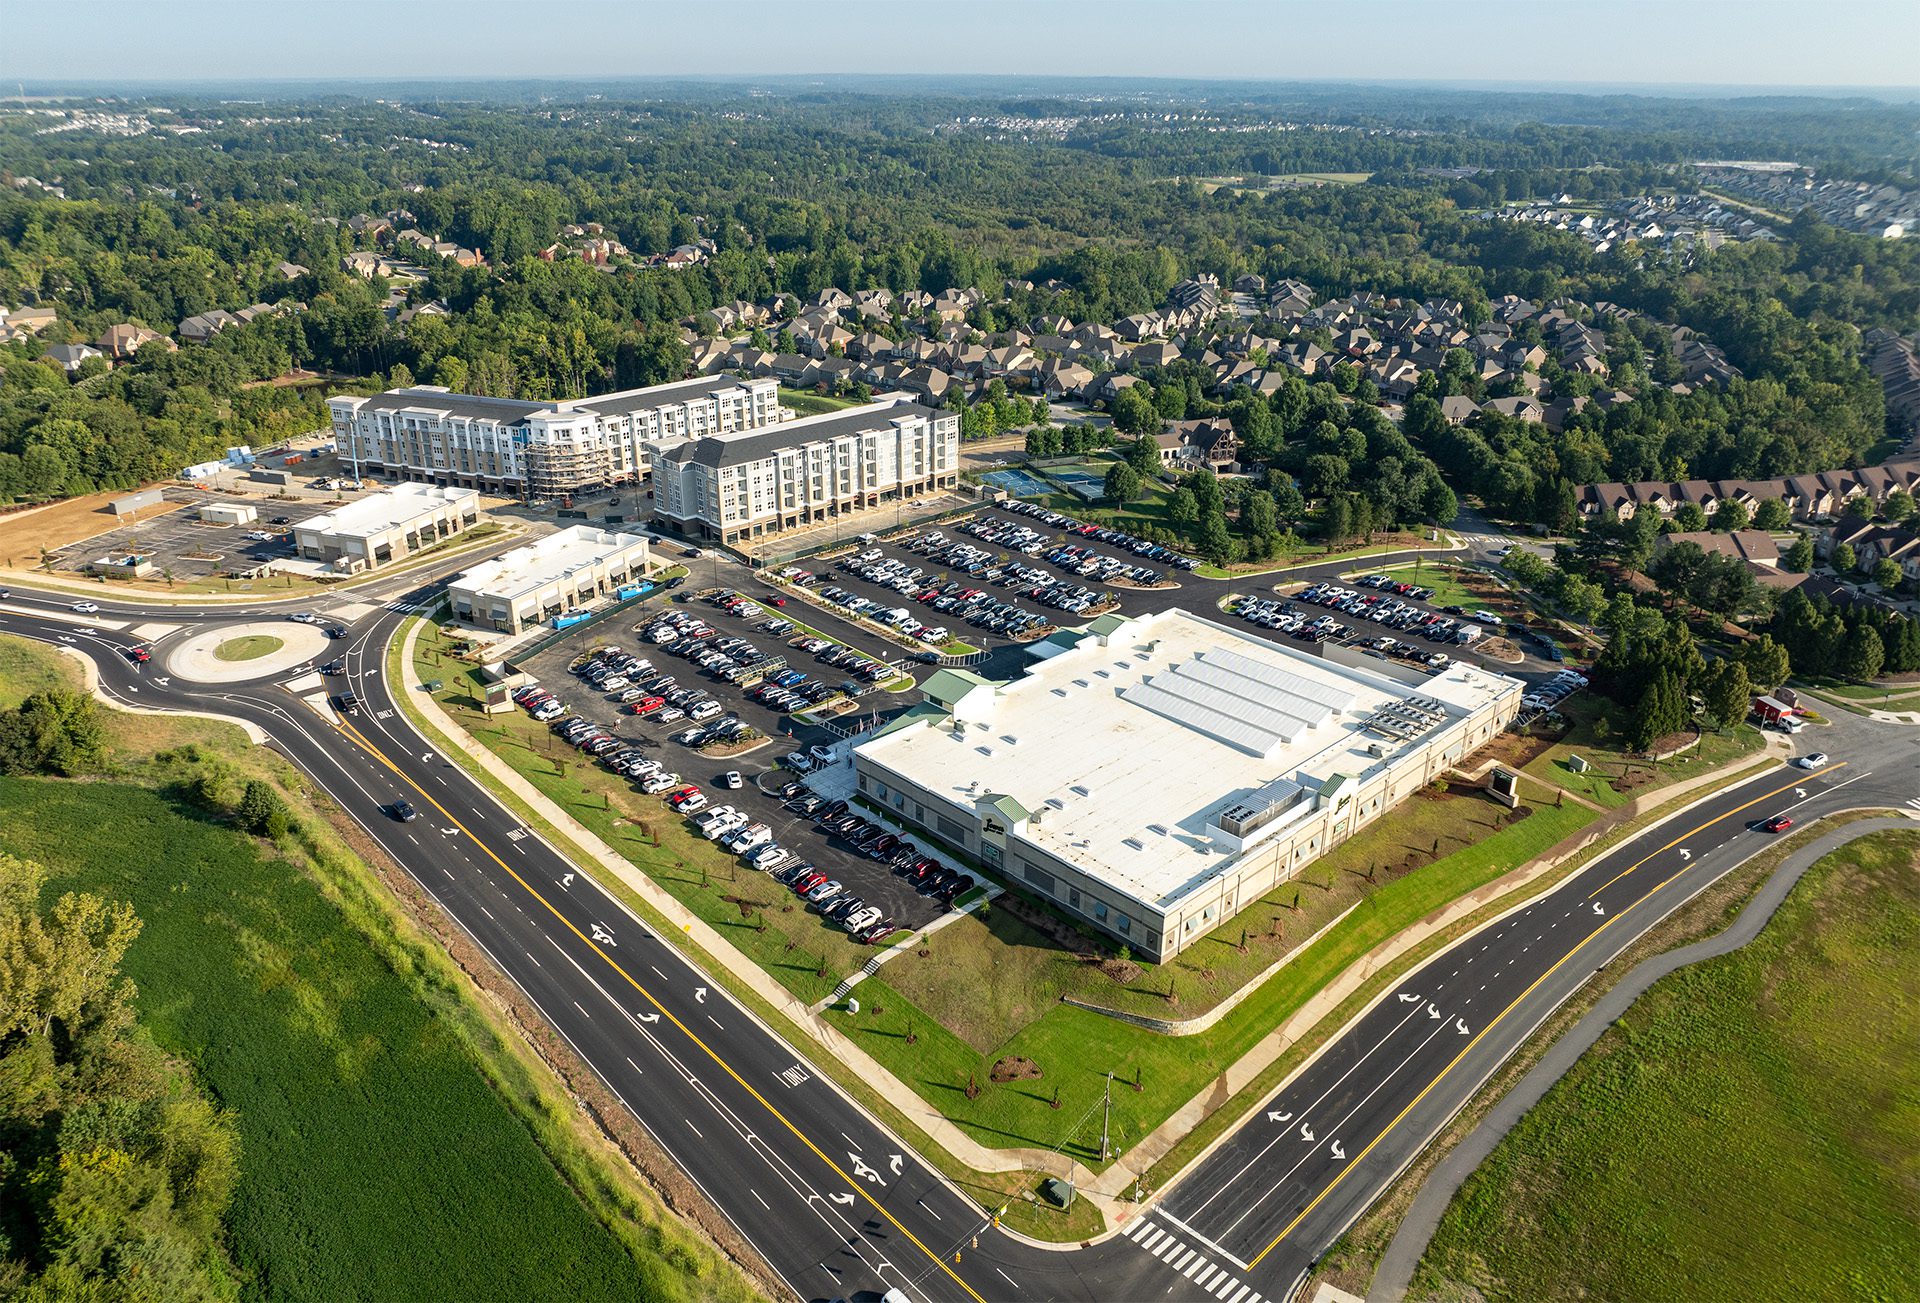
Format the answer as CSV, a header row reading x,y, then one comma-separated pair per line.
x,y
541,450
749,485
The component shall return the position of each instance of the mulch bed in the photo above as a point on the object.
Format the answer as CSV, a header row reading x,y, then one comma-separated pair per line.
x,y
1014,1068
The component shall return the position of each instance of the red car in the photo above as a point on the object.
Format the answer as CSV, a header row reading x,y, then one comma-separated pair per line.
x,y
778,601
647,705
139,655
1779,823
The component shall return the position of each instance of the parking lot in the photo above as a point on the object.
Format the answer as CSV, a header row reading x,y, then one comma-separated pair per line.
x,y
703,697
181,544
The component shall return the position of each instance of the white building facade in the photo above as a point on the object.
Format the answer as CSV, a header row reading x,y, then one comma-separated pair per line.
x,y
552,576
541,450
747,486
386,526
1164,772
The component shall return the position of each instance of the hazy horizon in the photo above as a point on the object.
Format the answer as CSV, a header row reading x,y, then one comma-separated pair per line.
x,y
1859,47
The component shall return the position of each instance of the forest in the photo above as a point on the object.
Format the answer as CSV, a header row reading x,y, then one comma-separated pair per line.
x,y
798,191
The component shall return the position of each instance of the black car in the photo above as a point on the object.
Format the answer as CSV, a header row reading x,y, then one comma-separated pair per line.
x,y
404,811
833,810
334,667
283,520
676,581
787,791
336,631
346,703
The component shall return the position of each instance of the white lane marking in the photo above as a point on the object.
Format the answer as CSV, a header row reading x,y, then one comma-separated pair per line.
x,y
583,1012
636,1067
762,1202
486,911
1004,1276
693,1128
448,872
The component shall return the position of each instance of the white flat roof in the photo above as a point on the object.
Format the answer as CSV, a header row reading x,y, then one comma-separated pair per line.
x,y
544,563
388,509
1128,746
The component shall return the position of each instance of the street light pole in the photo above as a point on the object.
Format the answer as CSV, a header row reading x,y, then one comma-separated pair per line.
x,y
1106,1118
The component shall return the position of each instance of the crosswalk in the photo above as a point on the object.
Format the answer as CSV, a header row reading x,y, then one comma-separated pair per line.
x,y
1172,1248
1487,540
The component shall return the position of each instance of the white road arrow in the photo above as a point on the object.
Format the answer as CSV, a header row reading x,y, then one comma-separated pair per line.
x,y
1279,1117
426,755
1337,1151
1433,1010
894,1163
603,936
566,881
1306,1132
1407,997
1597,909
648,1017
861,1170
449,832
1460,1025
163,682
700,994
1686,854
1800,791
841,1198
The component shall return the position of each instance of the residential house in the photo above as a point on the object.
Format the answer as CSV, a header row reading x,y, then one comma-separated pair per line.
x,y
121,342
203,326
70,356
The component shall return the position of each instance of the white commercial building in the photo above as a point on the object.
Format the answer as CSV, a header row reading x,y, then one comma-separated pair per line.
x,y
745,486
557,574
535,449
1159,775
385,526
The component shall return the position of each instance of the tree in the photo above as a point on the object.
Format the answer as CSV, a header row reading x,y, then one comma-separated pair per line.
x,y
1530,568
1183,508
1659,711
118,1172
1765,662
1214,541
1799,556
1143,454
1725,693
1772,514
1287,500
1258,516
1886,573
1858,510
1336,520
1688,518
261,810
1842,558
1730,515
1861,653
1898,506
1123,483
52,732
1582,598
1134,412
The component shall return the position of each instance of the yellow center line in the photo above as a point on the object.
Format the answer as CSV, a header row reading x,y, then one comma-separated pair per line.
x,y
1358,1158
1765,796
857,1186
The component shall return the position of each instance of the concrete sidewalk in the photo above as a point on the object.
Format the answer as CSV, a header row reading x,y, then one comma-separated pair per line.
x,y
1395,1273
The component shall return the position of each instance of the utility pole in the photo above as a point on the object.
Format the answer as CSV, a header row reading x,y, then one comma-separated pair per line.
x,y
1106,1117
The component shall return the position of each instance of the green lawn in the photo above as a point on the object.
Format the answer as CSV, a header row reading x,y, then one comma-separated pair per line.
x,y
1074,1048
376,1161
1614,776
248,648
808,403
1745,1132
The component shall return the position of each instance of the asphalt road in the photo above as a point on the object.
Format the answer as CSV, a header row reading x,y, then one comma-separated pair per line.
x,y
832,1200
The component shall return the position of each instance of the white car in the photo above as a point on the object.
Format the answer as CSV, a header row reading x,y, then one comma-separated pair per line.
x,y
860,920
86,608
769,857
304,617
654,784
1813,760
732,779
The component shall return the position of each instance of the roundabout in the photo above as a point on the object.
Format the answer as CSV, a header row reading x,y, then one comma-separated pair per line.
x,y
235,653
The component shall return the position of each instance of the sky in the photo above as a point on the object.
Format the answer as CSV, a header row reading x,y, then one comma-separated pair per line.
x,y
1749,43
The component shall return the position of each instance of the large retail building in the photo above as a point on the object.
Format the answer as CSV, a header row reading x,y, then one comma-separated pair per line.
x,y
535,449
1157,774
745,486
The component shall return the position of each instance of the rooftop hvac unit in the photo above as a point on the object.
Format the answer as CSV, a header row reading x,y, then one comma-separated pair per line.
x,y
1376,749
